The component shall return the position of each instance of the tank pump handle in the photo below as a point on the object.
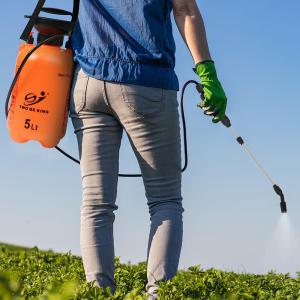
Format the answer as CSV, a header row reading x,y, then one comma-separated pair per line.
x,y
40,8
56,11
26,33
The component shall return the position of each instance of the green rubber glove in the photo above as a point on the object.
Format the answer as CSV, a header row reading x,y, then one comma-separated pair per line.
x,y
215,101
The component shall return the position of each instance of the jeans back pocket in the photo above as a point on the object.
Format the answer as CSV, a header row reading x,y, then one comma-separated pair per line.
x,y
143,100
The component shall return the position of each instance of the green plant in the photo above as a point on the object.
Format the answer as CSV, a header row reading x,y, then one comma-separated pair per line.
x,y
29,273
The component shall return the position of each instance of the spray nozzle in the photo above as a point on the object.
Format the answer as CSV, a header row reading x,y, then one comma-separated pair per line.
x,y
279,192
283,207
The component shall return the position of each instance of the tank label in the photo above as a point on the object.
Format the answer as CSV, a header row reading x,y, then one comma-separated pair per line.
x,y
31,99
33,109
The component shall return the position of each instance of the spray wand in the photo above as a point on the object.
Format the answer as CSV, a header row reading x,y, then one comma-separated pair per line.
x,y
227,123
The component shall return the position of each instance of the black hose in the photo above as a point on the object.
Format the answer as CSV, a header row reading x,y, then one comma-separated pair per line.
x,y
68,155
185,143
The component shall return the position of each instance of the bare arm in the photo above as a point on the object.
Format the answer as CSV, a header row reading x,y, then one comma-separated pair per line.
x,y
191,27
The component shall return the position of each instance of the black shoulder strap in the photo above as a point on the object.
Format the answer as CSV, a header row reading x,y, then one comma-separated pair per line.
x,y
75,11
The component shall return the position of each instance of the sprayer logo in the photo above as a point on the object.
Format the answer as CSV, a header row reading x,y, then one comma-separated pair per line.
x,y
31,98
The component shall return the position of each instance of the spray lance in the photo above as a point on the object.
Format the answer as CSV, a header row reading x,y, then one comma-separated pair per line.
x,y
37,102
227,123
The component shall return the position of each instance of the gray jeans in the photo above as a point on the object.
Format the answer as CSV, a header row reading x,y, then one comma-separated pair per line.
x,y
100,110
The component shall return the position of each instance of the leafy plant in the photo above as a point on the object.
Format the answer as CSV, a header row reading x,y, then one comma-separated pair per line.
x,y
29,273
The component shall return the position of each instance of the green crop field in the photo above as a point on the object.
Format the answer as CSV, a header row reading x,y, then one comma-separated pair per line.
x,y
29,273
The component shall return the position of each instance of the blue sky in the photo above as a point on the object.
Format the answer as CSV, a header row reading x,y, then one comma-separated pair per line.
x,y
231,211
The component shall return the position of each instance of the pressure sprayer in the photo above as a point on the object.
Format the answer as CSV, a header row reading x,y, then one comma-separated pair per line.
x,y
37,103
43,75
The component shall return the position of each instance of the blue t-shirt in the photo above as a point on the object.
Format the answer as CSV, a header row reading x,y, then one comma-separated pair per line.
x,y
129,41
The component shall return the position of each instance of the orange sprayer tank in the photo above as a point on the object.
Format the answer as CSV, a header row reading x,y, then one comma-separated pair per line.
x,y
40,98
